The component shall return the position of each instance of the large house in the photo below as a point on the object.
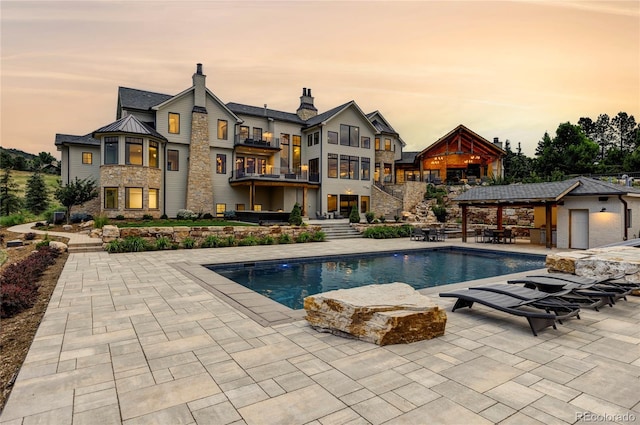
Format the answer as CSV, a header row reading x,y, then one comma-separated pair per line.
x,y
192,151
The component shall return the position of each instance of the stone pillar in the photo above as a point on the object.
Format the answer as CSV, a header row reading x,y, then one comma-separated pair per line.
x,y
199,183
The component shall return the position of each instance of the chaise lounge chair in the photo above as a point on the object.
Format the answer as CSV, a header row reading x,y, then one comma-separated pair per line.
x,y
535,312
590,290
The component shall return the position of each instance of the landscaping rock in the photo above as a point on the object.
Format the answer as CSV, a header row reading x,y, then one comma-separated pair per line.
x,y
67,227
392,313
14,243
60,246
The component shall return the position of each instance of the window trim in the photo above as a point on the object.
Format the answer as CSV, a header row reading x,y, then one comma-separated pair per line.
x,y
157,192
177,162
133,141
112,140
88,155
176,115
221,166
127,198
104,203
224,129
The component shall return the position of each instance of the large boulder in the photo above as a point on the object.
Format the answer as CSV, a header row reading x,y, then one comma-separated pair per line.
x,y
392,313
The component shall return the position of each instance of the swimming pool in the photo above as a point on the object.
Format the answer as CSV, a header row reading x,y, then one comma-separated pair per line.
x,y
289,281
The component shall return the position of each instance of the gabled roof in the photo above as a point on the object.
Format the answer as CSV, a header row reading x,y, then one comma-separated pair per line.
x,y
463,129
131,125
533,193
140,99
382,125
331,113
70,139
530,193
256,111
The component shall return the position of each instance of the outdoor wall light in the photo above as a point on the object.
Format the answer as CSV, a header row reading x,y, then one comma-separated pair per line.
x,y
603,209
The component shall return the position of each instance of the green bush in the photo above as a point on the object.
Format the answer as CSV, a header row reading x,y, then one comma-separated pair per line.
x,y
267,240
100,221
295,218
13,219
440,211
387,232
382,218
210,241
44,242
119,217
164,217
248,241
354,216
134,244
318,236
188,243
284,238
369,216
114,246
147,217
163,242
303,237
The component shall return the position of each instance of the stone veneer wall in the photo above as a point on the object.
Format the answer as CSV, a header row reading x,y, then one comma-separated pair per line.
x,y
123,176
382,157
179,233
199,184
384,203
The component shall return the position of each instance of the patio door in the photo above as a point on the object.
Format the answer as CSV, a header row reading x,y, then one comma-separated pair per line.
x,y
579,229
347,202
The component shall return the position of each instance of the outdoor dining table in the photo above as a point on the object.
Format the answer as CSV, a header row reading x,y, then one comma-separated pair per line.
x,y
497,235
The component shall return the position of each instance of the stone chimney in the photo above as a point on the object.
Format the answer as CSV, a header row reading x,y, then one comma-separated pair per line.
x,y
306,109
199,193
200,87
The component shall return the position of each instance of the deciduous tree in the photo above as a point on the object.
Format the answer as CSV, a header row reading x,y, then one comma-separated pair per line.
x,y
76,192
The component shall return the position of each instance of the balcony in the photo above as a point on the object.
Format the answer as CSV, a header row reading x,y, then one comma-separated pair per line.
x,y
274,174
245,145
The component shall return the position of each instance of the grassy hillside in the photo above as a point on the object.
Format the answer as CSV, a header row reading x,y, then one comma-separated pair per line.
x,y
22,177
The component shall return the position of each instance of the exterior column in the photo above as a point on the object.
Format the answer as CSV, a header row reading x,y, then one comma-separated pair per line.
x,y
548,231
499,216
304,201
464,223
199,183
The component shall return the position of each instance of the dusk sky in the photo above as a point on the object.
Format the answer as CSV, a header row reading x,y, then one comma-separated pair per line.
x,y
507,69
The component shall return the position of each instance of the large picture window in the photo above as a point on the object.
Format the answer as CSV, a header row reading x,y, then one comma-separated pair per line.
x,y
111,198
297,152
154,197
133,198
110,150
332,137
349,135
349,167
153,155
223,126
172,160
174,123
133,151
332,163
284,153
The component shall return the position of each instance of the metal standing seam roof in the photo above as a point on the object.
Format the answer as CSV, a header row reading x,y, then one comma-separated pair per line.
x,y
130,124
543,192
140,99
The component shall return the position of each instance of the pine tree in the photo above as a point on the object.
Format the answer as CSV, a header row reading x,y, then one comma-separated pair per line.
x,y
37,195
295,218
9,201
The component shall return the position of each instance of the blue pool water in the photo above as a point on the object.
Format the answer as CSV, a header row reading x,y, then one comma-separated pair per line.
x,y
289,281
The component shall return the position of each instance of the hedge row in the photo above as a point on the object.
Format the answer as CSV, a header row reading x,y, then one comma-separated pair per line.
x,y
388,232
19,281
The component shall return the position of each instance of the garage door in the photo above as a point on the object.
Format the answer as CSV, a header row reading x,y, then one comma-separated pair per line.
x,y
579,231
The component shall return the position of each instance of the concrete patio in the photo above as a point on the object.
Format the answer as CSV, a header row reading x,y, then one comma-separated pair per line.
x,y
144,338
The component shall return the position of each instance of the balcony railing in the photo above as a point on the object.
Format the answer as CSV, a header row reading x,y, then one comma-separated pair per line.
x,y
274,174
254,143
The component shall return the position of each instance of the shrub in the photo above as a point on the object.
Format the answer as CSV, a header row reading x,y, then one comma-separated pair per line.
x,y
16,298
303,237
188,243
354,216
80,217
267,240
119,217
382,218
387,232
147,217
230,215
29,236
44,242
186,215
210,241
40,224
318,236
134,244
100,221
13,219
164,217
285,238
295,218
163,242
396,218
207,216
230,241
248,241
440,212
114,246
369,216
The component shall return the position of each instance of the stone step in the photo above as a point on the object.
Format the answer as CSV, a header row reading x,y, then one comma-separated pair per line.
x,y
86,247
